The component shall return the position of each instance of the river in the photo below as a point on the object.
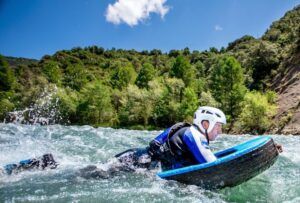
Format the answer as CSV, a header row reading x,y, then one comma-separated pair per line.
x,y
77,146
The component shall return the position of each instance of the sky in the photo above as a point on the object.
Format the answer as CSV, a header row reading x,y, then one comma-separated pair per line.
x,y
34,28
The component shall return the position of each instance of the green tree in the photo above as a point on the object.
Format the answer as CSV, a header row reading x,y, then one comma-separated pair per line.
x,y
174,53
5,107
256,114
66,101
7,78
189,104
182,69
198,85
206,99
166,109
264,60
227,85
146,74
137,106
199,66
52,71
95,106
122,76
175,88
75,76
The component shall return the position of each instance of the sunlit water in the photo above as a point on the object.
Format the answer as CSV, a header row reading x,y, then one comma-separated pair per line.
x,y
77,146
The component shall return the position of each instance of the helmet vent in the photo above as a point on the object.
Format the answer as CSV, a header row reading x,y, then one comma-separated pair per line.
x,y
218,115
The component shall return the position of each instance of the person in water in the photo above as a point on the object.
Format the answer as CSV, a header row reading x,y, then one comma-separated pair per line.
x,y
182,144
43,162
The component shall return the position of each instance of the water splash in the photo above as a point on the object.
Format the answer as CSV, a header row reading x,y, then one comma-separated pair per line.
x,y
44,111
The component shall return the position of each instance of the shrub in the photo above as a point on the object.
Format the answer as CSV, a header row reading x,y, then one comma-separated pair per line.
x,y
256,113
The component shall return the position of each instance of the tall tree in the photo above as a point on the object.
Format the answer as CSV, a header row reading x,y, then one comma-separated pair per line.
x,y
7,78
182,69
146,74
95,106
123,75
264,59
137,106
227,85
189,104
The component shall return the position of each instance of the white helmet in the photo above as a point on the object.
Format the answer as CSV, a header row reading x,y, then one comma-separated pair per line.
x,y
210,114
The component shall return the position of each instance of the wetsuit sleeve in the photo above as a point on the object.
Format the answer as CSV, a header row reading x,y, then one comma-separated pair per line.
x,y
156,145
161,138
199,149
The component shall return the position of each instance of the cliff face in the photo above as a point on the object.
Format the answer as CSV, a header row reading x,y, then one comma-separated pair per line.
x,y
287,85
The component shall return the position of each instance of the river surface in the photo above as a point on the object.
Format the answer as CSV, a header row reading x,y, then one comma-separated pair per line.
x,y
77,146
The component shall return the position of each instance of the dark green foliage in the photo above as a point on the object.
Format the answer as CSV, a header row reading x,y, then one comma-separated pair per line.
x,y
227,85
213,50
5,106
146,74
285,31
180,66
155,52
7,78
95,106
186,51
95,50
122,76
52,71
166,109
189,104
239,41
174,53
265,58
75,76
184,70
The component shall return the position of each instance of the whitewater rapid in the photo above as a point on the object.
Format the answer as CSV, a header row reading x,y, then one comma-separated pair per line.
x,y
75,147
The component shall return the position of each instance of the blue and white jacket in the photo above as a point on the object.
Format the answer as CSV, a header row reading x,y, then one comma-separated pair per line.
x,y
188,141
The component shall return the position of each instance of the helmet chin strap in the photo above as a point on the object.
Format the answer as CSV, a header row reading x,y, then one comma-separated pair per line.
x,y
205,132
206,135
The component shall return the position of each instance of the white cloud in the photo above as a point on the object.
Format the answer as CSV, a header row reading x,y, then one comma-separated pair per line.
x,y
218,28
132,12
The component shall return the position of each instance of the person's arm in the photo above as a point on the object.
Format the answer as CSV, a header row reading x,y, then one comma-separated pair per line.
x,y
155,146
162,137
199,149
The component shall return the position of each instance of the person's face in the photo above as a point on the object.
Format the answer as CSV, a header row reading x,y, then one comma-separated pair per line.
x,y
217,129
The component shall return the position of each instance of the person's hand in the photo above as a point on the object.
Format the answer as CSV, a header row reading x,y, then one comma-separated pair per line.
x,y
278,147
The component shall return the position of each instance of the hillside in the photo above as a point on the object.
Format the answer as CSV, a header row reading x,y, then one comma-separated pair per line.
x,y
281,62
15,62
287,80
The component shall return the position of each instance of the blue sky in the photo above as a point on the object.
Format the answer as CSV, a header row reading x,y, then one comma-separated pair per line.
x,y
33,28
